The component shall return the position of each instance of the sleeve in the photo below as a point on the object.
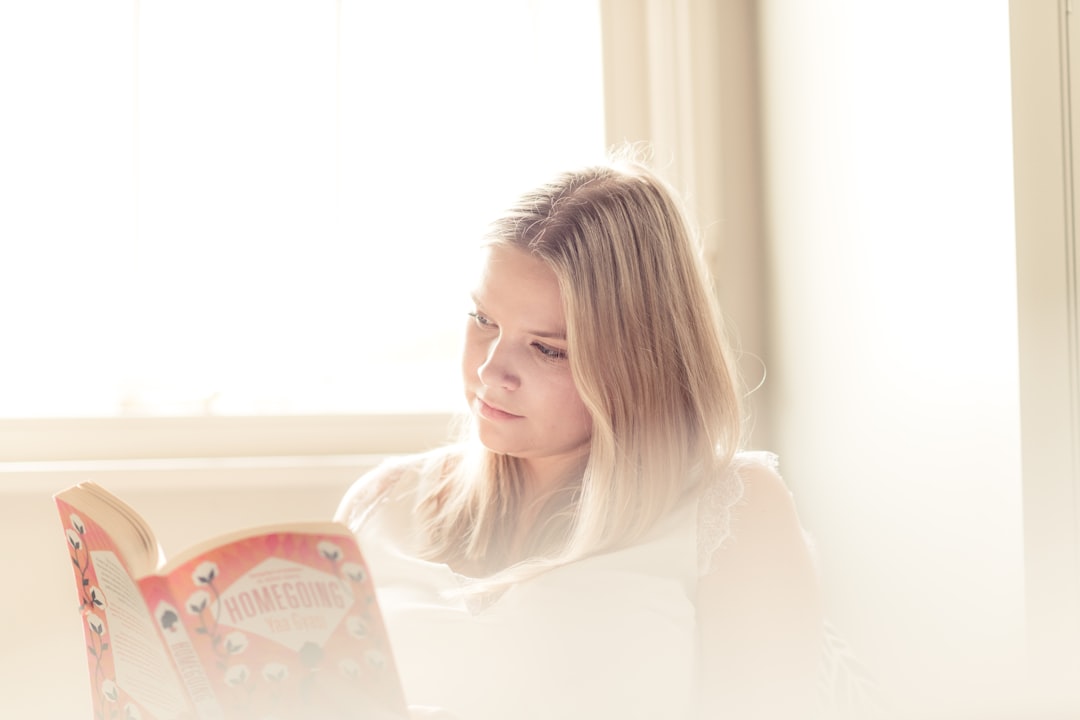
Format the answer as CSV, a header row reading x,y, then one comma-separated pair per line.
x,y
846,687
718,502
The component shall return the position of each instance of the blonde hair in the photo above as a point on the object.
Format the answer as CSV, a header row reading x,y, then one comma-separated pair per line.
x,y
648,357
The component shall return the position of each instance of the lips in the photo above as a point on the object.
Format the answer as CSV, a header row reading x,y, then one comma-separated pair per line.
x,y
492,412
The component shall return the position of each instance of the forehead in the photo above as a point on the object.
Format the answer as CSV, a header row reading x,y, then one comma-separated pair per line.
x,y
516,285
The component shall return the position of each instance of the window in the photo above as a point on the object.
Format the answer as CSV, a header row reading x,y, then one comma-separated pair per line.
x,y
249,208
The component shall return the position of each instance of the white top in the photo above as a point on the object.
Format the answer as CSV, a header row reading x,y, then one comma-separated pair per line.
x,y
613,635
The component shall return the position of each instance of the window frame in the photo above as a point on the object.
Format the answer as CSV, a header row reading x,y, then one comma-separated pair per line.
x,y
1045,76
50,440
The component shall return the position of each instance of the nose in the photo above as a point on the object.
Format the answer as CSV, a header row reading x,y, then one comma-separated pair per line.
x,y
499,368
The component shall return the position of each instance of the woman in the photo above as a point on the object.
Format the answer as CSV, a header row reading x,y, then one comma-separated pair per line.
x,y
594,546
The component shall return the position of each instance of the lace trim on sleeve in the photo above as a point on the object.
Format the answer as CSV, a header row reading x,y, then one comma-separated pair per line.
x,y
718,500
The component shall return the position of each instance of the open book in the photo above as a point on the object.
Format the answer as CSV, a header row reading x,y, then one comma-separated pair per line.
x,y
275,622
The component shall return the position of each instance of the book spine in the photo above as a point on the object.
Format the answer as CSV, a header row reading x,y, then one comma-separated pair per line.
x,y
185,657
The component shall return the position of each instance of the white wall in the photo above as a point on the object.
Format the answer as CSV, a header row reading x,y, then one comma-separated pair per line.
x,y
894,344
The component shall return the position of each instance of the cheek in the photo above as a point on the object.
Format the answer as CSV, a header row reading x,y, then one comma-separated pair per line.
x,y
472,357
571,406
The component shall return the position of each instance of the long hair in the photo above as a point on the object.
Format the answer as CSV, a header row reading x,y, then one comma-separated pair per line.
x,y
648,357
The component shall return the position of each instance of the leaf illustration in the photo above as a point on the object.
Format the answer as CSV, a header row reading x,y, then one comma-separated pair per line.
x,y
205,573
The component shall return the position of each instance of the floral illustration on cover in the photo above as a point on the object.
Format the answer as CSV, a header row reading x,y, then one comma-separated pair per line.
x,y
109,700
231,604
203,604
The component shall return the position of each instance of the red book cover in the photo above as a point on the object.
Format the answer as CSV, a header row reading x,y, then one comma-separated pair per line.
x,y
275,622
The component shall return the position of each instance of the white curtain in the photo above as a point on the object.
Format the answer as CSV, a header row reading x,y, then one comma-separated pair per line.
x,y
681,76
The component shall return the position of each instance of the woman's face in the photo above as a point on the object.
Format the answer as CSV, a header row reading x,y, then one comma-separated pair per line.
x,y
516,367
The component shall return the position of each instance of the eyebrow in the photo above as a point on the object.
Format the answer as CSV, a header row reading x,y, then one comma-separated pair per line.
x,y
549,336
546,335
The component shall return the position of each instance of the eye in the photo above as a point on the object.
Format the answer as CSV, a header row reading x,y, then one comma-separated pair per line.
x,y
550,352
481,320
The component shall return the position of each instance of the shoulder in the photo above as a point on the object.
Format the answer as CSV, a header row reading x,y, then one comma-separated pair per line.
x,y
758,604
747,488
764,572
763,517
766,504
394,476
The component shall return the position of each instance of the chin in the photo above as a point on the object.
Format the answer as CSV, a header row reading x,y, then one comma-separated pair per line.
x,y
493,442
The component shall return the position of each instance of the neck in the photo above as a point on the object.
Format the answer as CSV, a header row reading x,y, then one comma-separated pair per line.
x,y
547,489
544,476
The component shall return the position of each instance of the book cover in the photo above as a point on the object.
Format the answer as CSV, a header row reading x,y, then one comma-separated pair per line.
x,y
276,622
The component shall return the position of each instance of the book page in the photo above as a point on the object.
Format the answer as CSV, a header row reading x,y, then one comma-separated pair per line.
x,y
125,529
